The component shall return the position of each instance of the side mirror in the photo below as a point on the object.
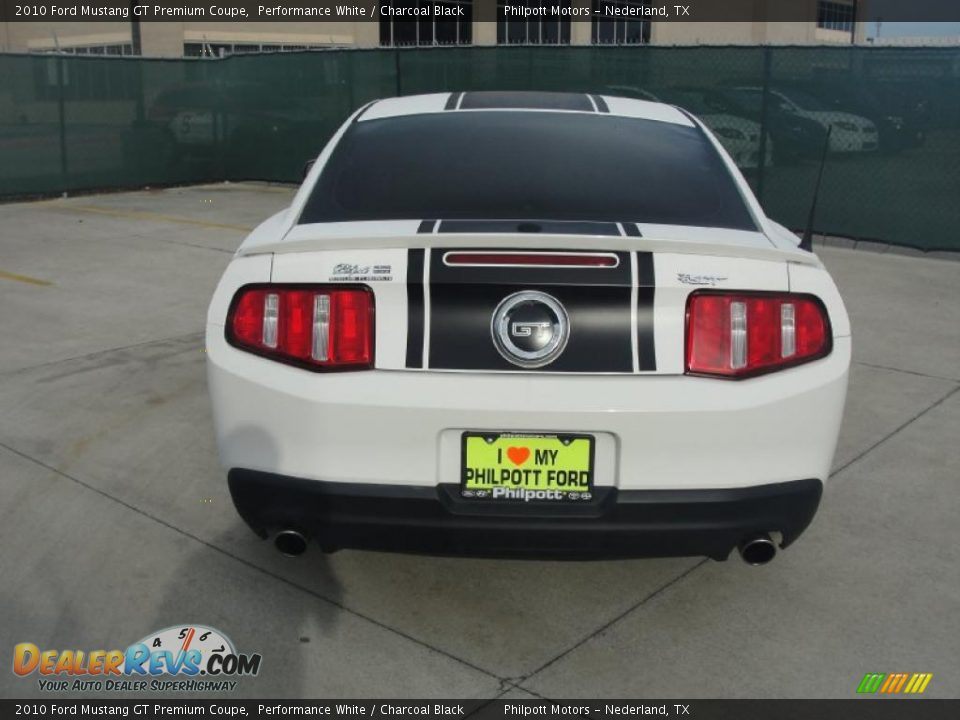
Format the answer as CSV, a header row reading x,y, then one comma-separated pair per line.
x,y
306,168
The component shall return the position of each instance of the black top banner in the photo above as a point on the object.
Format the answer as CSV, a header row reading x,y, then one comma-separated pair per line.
x,y
484,10
886,709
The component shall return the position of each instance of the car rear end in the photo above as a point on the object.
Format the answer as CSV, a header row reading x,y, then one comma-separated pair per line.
x,y
392,370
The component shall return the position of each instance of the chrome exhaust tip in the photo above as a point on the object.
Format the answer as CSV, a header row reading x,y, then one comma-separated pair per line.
x,y
290,543
757,550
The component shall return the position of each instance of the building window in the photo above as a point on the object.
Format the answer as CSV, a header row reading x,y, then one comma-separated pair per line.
x,y
535,27
454,27
225,49
612,28
835,16
111,50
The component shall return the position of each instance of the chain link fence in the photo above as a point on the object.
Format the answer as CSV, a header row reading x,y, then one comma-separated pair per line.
x,y
892,170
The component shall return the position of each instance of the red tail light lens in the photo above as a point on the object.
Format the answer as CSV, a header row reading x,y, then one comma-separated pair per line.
x,y
742,334
318,327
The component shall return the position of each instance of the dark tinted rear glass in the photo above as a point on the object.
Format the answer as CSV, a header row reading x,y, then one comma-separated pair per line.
x,y
525,166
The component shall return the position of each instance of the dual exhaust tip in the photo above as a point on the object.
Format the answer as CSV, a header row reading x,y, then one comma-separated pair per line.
x,y
755,550
290,543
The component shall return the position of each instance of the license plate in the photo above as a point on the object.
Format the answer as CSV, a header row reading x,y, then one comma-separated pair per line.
x,y
526,467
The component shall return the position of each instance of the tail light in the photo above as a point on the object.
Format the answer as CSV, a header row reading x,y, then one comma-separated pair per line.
x,y
741,334
318,327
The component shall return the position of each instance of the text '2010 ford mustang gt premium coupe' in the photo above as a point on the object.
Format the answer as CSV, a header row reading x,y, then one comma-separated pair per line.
x,y
527,324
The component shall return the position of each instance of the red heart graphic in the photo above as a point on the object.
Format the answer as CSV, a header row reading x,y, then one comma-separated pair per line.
x,y
518,455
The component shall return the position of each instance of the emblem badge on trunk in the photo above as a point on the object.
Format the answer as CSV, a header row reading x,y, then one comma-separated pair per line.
x,y
530,328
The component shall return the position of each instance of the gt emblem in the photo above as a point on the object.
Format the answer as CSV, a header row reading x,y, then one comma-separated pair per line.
x,y
530,328
525,329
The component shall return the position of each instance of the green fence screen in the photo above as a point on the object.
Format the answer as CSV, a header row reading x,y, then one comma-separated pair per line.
x,y
892,173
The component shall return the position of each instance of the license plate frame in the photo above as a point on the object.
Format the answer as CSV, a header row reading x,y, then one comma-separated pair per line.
x,y
574,482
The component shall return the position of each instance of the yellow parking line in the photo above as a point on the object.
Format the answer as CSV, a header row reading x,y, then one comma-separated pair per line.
x,y
138,215
254,187
24,279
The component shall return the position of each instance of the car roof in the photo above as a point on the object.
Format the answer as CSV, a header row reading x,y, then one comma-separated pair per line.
x,y
521,101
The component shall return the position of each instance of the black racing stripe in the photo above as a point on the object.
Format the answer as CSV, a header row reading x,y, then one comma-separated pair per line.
x,y
631,229
426,227
415,308
601,104
463,300
460,275
364,109
497,100
550,227
645,275
600,331
646,282
452,101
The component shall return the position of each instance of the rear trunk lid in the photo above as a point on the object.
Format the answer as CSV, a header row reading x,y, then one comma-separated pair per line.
x,y
437,294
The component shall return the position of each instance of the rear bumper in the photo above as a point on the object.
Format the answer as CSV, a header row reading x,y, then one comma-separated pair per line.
x,y
436,520
404,428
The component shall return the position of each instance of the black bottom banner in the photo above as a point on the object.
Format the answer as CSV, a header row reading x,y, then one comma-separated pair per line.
x,y
874,709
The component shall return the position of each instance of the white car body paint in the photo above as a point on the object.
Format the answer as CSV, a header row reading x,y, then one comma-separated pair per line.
x,y
655,429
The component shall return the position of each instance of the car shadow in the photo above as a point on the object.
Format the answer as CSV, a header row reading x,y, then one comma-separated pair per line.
x,y
234,581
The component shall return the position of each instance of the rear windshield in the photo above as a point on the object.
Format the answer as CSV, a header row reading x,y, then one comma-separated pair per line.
x,y
526,166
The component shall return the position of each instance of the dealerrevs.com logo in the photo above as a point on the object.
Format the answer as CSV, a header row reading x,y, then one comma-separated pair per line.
x,y
182,658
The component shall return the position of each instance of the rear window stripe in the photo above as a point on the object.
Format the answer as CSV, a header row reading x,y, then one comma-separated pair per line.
x,y
426,227
631,230
364,109
601,104
514,100
453,101
552,227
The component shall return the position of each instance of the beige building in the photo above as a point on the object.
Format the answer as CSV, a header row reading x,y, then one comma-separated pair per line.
x,y
830,21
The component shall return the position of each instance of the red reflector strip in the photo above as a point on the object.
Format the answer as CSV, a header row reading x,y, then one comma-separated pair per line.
x,y
605,260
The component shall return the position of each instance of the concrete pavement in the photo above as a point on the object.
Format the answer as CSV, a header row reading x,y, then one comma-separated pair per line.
x,y
116,520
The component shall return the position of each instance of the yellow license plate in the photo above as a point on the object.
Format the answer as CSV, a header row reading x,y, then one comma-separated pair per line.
x,y
526,467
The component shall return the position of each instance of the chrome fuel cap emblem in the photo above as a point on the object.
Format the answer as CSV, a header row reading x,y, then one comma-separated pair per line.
x,y
530,328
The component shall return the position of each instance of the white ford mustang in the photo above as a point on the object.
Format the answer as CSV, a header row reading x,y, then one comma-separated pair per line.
x,y
527,324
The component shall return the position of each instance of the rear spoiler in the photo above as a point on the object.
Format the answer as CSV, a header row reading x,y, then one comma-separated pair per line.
x,y
302,241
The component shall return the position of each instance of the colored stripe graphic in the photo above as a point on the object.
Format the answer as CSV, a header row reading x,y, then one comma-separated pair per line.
x,y
918,683
871,682
894,683
891,679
